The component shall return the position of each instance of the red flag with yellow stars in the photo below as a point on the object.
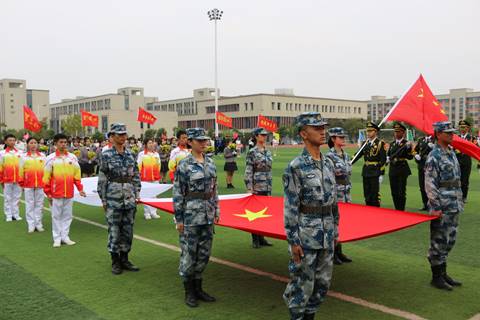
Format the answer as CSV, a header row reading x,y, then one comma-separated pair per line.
x,y
30,121
264,215
89,119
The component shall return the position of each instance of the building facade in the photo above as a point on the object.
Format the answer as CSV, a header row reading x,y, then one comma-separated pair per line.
x,y
13,96
282,107
113,107
458,105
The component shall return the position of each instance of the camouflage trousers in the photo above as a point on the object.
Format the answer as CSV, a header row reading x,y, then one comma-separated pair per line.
x,y
196,247
120,229
309,282
443,234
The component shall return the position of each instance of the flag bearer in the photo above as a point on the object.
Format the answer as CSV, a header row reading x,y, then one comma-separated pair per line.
x,y
10,178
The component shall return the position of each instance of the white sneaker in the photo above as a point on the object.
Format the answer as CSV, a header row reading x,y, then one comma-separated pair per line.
x,y
155,216
31,230
40,229
18,218
68,242
147,217
56,244
8,219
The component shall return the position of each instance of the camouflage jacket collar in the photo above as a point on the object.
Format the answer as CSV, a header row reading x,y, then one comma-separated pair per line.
x,y
307,157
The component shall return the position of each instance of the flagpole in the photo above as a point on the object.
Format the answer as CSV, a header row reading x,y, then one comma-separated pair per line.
x,y
383,120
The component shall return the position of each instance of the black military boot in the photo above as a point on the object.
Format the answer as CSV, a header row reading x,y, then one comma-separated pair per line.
x,y
202,295
255,241
126,264
437,279
309,316
190,297
448,279
116,266
263,242
336,258
341,256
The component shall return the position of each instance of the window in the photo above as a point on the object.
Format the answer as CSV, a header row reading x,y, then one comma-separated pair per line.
x,y
70,109
100,105
127,102
251,106
107,104
87,106
226,108
273,106
104,124
94,106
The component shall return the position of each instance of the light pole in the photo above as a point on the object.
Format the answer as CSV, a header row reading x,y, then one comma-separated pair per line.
x,y
215,15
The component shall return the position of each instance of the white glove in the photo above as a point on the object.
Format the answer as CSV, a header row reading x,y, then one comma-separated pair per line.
x,y
431,145
380,179
417,157
388,160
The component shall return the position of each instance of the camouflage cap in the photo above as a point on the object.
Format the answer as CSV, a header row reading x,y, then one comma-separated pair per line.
x,y
336,132
464,123
197,134
443,126
117,128
258,131
399,127
310,119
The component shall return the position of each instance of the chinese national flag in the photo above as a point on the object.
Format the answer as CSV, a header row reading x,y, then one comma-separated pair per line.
x,y
419,108
30,121
264,122
224,120
89,120
144,116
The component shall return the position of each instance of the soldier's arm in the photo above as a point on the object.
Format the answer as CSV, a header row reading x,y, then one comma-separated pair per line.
x,y
179,194
137,183
217,208
382,153
432,184
248,178
102,180
291,188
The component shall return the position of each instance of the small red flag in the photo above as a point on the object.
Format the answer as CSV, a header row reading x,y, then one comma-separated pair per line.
x,y
224,120
89,119
30,121
144,116
264,122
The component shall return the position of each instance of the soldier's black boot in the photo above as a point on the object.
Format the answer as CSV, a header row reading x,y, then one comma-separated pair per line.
x,y
437,279
202,295
116,266
264,242
255,241
336,258
190,297
448,279
126,264
341,256
309,316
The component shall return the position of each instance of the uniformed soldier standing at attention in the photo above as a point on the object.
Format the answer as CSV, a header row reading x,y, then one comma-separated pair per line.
x,y
195,201
119,189
443,187
343,172
421,150
399,152
258,175
375,157
464,159
310,205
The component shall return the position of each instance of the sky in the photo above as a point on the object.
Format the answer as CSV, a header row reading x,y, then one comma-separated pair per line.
x,y
335,49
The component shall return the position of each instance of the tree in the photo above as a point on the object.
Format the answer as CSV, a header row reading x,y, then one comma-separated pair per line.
x,y
98,136
161,132
72,125
149,134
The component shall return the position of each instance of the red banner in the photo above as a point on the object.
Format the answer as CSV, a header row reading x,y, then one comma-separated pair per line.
x,y
89,119
264,122
30,121
264,215
224,120
144,116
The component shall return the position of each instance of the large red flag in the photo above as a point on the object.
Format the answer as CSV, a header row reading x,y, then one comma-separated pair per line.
x,y
264,122
421,109
264,215
144,116
224,120
89,119
30,121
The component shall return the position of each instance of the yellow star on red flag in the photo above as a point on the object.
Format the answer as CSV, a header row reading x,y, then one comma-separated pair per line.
x,y
251,215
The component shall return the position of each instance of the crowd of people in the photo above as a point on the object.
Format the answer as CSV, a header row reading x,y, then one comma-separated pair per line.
x,y
313,185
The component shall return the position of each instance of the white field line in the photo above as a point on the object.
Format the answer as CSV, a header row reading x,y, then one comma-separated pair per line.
x,y
475,317
361,302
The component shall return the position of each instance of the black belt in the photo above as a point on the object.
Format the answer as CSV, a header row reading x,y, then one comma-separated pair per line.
x,y
314,210
262,170
121,180
199,195
343,181
450,184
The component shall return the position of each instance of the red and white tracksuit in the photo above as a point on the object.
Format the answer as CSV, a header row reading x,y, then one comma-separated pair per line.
x,y
62,173
149,165
32,166
10,178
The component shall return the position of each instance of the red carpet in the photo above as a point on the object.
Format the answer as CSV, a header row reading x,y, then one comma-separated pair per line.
x,y
264,215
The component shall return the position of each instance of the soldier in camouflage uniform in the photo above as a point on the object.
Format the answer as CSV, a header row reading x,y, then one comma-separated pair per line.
x,y
258,175
310,205
464,159
195,200
421,150
375,157
343,172
119,189
443,187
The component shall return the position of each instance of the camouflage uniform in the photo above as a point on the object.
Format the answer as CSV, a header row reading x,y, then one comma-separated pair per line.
x,y
195,201
118,187
443,188
309,207
421,151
